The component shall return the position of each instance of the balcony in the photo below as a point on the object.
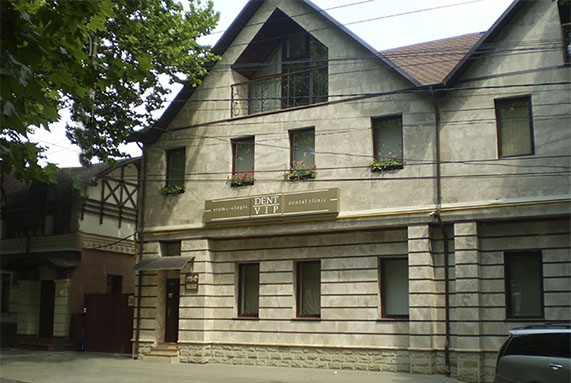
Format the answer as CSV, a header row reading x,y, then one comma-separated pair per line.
x,y
281,91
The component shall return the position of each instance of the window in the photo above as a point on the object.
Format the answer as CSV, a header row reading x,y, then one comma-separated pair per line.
x,y
249,287
170,249
114,284
394,287
524,285
302,143
175,167
5,293
565,20
387,141
281,74
305,61
242,161
515,132
308,289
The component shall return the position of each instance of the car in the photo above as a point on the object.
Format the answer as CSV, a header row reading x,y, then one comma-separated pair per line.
x,y
536,354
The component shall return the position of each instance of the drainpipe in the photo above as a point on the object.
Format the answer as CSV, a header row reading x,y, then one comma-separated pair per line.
x,y
139,230
443,231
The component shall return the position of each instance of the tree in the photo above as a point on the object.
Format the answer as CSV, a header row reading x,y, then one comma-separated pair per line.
x,y
100,58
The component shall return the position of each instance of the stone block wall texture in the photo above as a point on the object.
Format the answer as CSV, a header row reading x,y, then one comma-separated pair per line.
x,y
291,356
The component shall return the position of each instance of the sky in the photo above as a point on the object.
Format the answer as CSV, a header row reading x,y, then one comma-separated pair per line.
x,y
383,24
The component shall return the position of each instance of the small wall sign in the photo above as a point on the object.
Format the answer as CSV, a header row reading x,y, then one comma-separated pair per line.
x,y
191,281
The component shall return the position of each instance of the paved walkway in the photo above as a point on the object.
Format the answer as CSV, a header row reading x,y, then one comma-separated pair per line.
x,y
18,366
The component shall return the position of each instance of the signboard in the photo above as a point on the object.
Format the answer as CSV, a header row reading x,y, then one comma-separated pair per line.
x,y
191,281
273,206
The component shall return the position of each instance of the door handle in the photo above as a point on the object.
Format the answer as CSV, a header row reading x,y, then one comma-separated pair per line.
x,y
555,366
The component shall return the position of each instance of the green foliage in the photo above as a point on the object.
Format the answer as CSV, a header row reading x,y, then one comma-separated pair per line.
x,y
390,162
172,190
100,58
299,171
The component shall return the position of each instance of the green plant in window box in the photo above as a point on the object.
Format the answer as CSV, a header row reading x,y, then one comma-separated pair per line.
x,y
172,190
388,162
241,179
300,171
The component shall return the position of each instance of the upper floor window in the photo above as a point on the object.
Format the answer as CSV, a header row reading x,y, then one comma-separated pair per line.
x,y
302,154
524,284
248,290
285,67
302,143
176,159
308,287
305,62
242,161
515,128
565,20
387,143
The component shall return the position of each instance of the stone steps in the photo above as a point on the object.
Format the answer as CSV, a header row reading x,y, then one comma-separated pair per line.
x,y
162,353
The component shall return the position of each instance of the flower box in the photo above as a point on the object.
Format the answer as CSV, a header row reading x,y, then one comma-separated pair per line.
x,y
241,179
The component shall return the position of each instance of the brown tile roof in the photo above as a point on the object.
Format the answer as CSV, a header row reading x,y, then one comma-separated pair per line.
x,y
430,62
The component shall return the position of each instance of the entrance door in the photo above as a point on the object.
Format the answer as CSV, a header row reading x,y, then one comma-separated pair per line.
x,y
171,317
47,300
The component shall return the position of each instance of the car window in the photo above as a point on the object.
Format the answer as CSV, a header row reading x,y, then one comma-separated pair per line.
x,y
564,348
533,344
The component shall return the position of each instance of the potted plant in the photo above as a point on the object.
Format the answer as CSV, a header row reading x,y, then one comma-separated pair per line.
x,y
172,190
380,163
241,179
299,171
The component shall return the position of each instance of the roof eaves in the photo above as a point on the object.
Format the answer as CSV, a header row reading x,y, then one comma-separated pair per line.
x,y
237,25
474,52
362,42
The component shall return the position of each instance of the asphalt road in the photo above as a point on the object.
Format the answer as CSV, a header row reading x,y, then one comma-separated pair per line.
x,y
19,366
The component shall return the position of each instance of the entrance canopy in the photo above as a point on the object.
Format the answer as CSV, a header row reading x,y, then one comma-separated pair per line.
x,y
163,263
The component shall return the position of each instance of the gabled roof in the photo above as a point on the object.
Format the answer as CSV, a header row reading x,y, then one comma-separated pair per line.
x,y
429,63
487,38
455,56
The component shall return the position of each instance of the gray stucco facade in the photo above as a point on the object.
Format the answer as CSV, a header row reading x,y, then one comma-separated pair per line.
x,y
455,210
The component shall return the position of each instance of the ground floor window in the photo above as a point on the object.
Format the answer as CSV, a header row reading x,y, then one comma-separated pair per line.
x,y
393,275
5,292
308,286
524,284
249,287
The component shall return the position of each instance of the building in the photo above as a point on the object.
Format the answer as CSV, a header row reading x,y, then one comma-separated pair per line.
x,y
60,243
316,203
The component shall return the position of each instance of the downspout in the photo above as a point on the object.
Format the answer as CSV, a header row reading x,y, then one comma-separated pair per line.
x,y
140,229
443,231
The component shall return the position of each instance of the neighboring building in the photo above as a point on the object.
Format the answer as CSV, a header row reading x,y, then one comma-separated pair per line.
x,y
60,242
420,260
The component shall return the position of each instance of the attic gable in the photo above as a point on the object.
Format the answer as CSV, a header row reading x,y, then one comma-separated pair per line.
x,y
278,26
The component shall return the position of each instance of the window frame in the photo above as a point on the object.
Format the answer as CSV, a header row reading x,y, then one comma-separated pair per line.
x,y
241,292
114,281
507,278
381,284
166,248
169,177
6,280
498,101
374,133
235,143
298,289
292,133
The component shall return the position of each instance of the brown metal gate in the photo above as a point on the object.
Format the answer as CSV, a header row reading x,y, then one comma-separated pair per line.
x,y
108,323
